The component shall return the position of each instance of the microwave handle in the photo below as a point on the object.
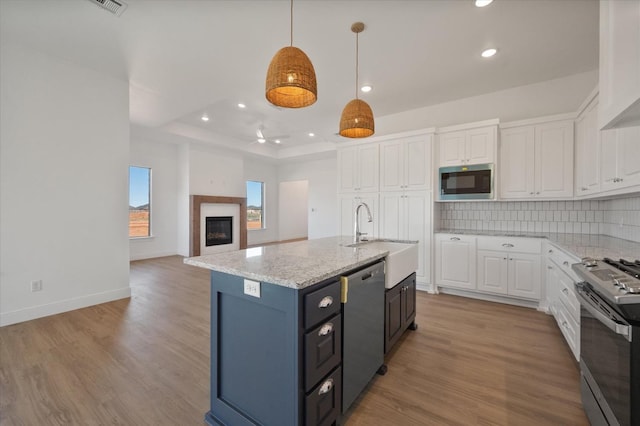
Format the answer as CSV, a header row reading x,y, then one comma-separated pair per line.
x,y
616,327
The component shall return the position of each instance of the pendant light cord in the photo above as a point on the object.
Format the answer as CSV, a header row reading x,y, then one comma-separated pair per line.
x,y
357,34
291,21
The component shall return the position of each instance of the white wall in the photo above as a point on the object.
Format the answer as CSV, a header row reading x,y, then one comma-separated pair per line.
x,y
323,201
161,158
293,210
215,172
535,100
64,148
261,171
183,200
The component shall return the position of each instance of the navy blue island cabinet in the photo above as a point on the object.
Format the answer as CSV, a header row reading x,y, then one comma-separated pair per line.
x,y
276,353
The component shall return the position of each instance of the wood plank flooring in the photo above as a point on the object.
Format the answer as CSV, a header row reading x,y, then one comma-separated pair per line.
x,y
145,361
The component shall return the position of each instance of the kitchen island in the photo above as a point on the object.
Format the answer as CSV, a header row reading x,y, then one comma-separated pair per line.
x,y
277,327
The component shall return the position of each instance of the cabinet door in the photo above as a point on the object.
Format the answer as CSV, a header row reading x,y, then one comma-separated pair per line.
x,y
392,220
392,166
409,302
587,151
492,271
418,169
629,156
480,145
368,168
524,275
348,203
552,288
417,217
393,316
608,159
517,162
554,160
347,169
456,261
452,148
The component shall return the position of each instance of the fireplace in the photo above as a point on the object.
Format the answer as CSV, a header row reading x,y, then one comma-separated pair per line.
x,y
199,210
218,230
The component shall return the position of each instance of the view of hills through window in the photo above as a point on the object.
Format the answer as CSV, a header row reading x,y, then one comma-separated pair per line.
x,y
139,202
255,198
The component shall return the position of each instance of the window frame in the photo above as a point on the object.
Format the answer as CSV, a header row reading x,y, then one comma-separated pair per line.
x,y
150,187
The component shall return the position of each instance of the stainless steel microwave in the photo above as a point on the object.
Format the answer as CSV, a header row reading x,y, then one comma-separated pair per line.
x,y
473,182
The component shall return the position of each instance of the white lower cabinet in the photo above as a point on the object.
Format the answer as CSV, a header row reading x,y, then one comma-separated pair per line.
x,y
512,274
561,297
456,261
406,215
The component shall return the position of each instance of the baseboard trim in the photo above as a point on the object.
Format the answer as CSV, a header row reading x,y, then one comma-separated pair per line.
x,y
490,297
152,255
27,314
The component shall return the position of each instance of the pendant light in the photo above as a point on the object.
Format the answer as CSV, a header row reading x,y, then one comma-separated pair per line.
x,y
357,118
291,79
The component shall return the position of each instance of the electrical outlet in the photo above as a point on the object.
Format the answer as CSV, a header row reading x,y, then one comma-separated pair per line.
x,y
36,285
252,288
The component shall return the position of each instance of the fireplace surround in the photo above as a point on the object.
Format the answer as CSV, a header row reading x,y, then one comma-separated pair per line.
x,y
195,203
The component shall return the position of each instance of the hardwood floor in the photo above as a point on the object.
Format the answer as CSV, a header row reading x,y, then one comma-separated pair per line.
x,y
145,361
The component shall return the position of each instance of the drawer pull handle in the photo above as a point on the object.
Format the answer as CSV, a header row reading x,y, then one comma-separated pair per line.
x,y
455,239
326,387
325,329
325,302
565,263
565,291
550,251
507,245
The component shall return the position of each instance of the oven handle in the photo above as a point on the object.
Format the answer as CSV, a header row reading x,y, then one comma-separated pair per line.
x,y
616,327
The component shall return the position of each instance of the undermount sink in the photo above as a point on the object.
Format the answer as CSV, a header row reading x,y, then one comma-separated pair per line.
x,y
401,261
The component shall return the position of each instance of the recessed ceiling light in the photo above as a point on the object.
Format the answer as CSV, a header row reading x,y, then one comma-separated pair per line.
x,y
483,3
312,134
366,89
241,105
488,53
204,117
276,141
261,140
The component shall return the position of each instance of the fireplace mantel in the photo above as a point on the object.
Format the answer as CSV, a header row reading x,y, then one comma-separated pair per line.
x,y
195,202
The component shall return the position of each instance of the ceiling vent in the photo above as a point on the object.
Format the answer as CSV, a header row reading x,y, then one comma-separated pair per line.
x,y
113,6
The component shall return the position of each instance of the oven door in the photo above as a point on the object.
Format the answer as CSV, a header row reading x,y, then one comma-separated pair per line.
x,y
605,358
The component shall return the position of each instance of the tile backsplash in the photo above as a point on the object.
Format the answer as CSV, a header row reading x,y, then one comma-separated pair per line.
x,y
618,218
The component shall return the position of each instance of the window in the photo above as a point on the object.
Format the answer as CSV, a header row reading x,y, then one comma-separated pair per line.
x,y
139,202
255,203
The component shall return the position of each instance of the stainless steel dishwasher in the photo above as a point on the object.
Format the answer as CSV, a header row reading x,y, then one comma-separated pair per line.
x,y
362,330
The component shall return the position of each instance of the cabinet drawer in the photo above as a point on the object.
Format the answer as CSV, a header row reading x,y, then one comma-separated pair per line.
x,y
322,405
570,329
323,350
321,304
520,245
568,297
562,261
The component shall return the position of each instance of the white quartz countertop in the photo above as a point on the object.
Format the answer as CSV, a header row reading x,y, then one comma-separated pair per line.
x,y
295,265
581,245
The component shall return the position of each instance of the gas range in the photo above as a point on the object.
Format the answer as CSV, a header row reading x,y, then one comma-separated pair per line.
x,y
618,281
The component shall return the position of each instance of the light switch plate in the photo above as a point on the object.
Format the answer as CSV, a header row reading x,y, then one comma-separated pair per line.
x,y
252,288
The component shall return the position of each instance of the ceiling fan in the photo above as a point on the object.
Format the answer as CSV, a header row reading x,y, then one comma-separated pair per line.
x,y
261,138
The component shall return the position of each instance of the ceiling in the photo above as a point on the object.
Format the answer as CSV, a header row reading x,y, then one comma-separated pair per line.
x,y
184,58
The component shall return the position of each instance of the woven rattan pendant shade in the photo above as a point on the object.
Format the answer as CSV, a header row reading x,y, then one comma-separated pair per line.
x,y
356,120
291,79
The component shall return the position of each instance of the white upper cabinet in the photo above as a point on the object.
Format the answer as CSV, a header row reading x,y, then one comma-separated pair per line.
x,y
536,161
619,63
620,159
467,146
348,204
358,168
588,151
406,164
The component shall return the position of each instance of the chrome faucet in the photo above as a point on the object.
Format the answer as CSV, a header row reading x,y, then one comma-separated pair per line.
x,y
356,225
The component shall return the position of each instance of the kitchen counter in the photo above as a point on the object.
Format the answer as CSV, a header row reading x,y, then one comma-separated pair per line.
x,y
295,265
581,245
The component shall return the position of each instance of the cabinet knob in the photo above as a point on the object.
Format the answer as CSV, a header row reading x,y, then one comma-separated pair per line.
x,y
549,267
565,263
326,387
550,251
583,188
325,302
325,329
507,245
531,193
537,193
564,323
565,291
455,239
